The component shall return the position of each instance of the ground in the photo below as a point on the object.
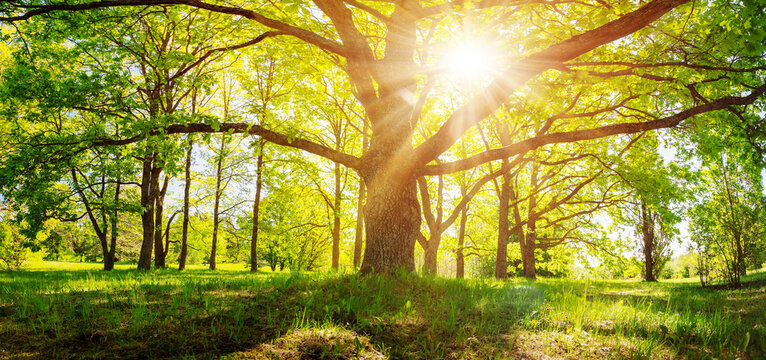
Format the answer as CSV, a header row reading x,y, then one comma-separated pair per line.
x,y
59,310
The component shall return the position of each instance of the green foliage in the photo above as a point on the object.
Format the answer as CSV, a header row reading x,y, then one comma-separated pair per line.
x,y
12,250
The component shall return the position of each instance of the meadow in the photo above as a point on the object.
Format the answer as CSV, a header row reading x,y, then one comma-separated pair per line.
x,y
61,310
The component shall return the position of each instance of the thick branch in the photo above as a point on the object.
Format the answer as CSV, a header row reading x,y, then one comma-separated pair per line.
x,y
590,134
506,83
241,128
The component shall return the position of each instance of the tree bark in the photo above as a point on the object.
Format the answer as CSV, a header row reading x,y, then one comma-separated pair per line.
x,y
460,257
159,201
336,219
647,234
256,206
147,216
185,226
529,242
501,260
109,259
431,254
359,236
218,177
392,222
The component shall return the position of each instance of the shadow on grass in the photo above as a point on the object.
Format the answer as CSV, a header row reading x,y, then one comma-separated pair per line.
x,y
202,314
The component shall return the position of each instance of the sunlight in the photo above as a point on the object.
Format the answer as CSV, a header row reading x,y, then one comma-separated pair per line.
x,y
470,61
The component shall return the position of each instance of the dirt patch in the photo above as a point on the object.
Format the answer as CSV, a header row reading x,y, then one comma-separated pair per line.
x,y
335,343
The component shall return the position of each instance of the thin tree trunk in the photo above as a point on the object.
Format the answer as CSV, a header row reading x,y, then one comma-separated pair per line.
x,y
530,240
501,260
147,216
256,207
336,219
648,239
218,176
109,260
359,236
430,258
185,226
459,258
159,201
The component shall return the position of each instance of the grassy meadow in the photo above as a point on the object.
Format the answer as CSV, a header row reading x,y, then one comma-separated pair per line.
x,y
60,310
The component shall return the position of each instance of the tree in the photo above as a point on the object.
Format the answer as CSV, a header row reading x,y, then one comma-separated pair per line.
x,y
377,46
727,221
654,241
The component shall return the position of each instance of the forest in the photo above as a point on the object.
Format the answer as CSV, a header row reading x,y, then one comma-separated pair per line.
x,y
383,179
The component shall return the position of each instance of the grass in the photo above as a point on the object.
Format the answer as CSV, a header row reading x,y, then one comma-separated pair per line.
x,y
76,311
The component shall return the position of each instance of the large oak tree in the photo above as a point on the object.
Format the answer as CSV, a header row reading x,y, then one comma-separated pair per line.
x,y
684,59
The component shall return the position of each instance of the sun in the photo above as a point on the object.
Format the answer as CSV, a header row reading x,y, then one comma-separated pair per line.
x,y
469,61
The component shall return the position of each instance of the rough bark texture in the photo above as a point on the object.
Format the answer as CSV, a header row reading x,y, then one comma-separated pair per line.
x,y
256,207
392,218
185,226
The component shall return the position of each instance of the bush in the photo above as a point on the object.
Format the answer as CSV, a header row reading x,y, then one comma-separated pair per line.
x,y
12,251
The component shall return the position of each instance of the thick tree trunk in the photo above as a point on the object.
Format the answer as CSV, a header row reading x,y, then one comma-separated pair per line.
x,y
460,257
159,201
147,216
185,226
392,224
218,178
501,260
336,219
256,207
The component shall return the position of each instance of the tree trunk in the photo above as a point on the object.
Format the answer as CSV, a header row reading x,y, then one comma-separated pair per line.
x,y
218,177
529,242
147,216
528,254
109,259
159,201
431,254
359,236
256,206
647,234
336,220
501,260
459,257
392,222
185,226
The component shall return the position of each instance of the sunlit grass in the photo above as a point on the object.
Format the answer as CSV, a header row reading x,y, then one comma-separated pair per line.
x,y
77,309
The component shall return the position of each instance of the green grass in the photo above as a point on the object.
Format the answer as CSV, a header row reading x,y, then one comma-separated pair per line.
x,y
59,310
